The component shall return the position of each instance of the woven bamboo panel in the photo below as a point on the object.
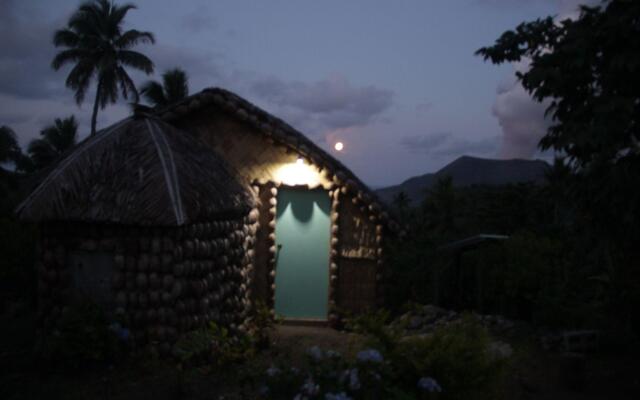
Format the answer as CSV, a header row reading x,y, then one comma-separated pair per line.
x,y
357,287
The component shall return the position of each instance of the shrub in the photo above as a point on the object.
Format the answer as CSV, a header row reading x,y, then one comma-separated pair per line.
x,y
260,324
453,363
375,326
82,336
214,346
457,355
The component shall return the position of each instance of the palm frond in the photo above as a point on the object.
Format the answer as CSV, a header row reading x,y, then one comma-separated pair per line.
x,y
127,86
41,153
108,87
68,56
153,93
62,134
133,37
119,12
96,45
175,84
136,60
65,37
79,79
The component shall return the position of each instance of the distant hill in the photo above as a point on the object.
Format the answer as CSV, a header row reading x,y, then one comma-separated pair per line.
x,y
467,171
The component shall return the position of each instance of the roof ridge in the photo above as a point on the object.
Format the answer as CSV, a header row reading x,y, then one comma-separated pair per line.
x,y
170,176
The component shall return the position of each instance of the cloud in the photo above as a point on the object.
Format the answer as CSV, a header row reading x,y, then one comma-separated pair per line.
x,y
11,118
423,108
198,20
327,104
201,67
522,121
27,52
478,147
425,143
445,144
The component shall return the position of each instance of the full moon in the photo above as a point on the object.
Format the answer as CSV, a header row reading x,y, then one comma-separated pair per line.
x,y
338,146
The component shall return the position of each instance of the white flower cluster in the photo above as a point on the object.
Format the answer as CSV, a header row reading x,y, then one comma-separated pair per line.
x,y
273,371
429,384
337,396
370,355
315,353
310,388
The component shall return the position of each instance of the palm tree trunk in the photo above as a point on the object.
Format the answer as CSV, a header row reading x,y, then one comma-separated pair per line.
x,y
94,116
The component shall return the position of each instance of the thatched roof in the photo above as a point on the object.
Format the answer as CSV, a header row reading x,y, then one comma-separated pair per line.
x,y
281,133
139,171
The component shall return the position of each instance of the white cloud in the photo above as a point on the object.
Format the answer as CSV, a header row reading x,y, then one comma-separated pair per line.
x,y
323,105
445,144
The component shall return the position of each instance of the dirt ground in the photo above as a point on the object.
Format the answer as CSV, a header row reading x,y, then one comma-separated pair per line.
x,y
534,374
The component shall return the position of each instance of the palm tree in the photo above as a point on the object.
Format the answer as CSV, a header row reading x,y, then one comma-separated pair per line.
x,y
174,88
9,148
56,139
95,43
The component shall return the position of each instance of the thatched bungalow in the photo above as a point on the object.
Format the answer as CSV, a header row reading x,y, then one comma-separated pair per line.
x,y
307,239
149,223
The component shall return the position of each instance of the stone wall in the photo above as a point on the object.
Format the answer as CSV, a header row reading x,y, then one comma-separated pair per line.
x,y
164,281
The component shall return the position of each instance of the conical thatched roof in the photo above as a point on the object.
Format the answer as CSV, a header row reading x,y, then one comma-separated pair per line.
x,y
139,171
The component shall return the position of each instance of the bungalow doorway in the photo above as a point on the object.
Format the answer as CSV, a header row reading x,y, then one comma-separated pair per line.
x,y
302,259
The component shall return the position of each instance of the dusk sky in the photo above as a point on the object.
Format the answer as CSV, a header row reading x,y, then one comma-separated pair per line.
x,y
396,81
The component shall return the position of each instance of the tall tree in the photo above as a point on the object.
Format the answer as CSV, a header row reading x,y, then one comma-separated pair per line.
x,y
9,148
97,46
174,87
588,69
56,139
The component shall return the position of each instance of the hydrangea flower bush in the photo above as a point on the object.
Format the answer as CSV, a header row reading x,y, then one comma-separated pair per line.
x,y
453,363
329,376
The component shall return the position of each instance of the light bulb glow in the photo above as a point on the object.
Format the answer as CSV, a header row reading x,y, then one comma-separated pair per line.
x,y
298,173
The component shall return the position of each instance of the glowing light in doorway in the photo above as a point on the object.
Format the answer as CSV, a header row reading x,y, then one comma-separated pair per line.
x,y
298,173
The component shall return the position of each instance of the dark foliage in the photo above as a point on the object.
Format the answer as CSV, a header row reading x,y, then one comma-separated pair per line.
x,y
174,87
587,70
56,140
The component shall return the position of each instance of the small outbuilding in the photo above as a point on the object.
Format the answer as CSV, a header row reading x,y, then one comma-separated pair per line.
x,y
203,208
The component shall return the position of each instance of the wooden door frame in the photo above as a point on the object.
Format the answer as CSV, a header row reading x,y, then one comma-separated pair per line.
x,y
333,268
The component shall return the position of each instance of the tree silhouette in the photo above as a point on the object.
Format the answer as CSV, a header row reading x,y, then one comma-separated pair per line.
x,y
174,87
56,139
9,148
98,48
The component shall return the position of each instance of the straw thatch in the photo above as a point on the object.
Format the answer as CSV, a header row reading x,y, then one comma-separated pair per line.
x,y
139,171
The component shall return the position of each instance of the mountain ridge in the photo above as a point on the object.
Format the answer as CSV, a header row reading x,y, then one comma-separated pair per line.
x,y
467,171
